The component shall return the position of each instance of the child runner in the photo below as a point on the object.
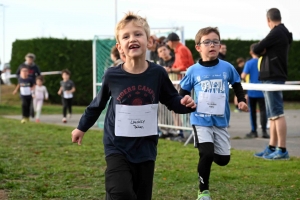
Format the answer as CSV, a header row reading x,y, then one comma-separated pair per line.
x,y
133,90
66,90
39,94
209,79
26,85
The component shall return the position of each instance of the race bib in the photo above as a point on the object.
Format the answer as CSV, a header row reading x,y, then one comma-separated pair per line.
x,y
211,103
25,91
136,121
68,95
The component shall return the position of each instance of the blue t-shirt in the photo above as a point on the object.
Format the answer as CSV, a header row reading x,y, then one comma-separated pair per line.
x,y
213,79
251,68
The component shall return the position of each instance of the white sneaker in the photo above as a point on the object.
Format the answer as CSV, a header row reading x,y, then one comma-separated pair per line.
x,y
64,120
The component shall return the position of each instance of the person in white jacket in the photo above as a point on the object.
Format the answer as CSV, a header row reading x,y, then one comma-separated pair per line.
x,y
39,94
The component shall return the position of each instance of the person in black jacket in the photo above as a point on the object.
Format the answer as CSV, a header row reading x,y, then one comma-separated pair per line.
x,y
273,70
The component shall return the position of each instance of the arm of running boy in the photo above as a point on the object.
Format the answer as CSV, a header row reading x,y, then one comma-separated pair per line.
x,y
16,89
59,91
169,96
91,113
239,93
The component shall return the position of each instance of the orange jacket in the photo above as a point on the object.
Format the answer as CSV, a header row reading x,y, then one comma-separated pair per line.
x,y
183,57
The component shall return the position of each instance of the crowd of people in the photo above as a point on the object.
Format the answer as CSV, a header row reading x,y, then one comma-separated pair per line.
x,y
130,150
141,77
33,92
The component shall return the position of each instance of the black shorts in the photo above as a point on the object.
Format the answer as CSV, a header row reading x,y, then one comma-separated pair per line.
x,y
125,180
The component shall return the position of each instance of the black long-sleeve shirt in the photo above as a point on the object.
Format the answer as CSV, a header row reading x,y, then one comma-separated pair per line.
x,y
275,60
121,87
33,71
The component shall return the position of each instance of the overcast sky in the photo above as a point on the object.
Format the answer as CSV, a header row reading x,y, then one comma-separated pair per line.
x,y
83,19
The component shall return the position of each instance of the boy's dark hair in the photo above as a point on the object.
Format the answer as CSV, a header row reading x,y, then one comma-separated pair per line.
x,y
240,60
161,40
162,45
206,31
252,46
41,78
114,51
274,15
23,66
66,71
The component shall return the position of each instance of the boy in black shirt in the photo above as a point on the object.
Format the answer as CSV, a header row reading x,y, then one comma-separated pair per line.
x,y
26,86
133,90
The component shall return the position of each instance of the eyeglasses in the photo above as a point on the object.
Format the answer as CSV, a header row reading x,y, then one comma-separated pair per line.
x,y
209,42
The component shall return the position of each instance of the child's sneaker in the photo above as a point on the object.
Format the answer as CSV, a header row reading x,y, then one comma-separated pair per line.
x,y
37,121
277,155
265,152
64,120
205,195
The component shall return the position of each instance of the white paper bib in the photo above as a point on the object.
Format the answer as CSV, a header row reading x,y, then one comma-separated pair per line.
x,y
211,103
25,91
136,121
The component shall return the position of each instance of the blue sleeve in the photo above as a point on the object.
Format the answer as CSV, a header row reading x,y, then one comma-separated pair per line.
x,y
247,68
169,96
186,82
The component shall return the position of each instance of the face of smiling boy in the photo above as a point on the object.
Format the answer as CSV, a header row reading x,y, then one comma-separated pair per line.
x,y
209,46
133,41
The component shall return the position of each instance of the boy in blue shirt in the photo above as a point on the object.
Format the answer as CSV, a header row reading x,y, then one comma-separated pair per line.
x,y
209,79
255,97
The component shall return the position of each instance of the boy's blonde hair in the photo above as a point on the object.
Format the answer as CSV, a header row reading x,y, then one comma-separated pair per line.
x,y
136,19
206,31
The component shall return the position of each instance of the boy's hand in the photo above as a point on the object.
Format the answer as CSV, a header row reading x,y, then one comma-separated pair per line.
x,y
59,92
188,102
77,136
14,92
243,106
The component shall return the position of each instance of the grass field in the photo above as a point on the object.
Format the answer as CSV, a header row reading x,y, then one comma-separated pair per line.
x,y
38,161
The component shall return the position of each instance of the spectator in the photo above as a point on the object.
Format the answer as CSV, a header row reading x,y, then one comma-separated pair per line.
x,y
183,56
167,60
240,66
5,75
255,97
273,70
34,70
153,49
115,57
222,52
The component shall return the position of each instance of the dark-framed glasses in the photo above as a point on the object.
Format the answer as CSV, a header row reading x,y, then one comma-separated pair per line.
x,y
210,42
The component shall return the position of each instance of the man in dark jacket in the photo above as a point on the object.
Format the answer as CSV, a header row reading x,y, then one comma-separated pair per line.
x,y
34,70
273,70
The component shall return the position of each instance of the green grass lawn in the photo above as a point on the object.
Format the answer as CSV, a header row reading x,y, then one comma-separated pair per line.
x,y
38,161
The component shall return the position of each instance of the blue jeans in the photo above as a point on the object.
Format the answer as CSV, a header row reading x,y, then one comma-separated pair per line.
x,y
274,101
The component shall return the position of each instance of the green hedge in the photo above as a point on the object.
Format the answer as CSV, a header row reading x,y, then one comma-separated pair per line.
x,y
76,55
240,48
55,55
